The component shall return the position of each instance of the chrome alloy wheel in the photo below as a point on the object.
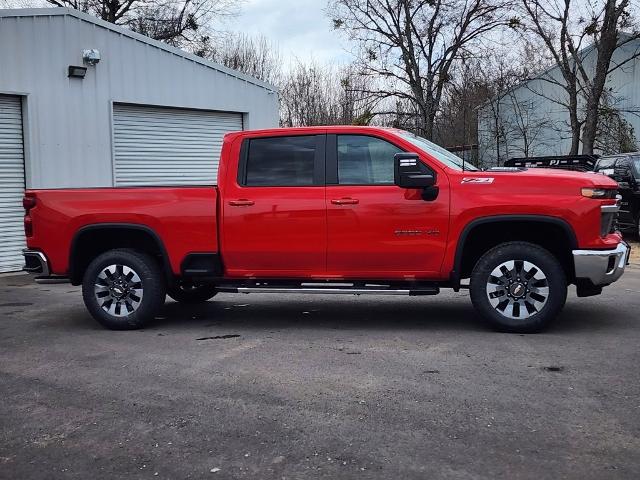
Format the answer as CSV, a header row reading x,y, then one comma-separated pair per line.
x,y
118,290
517,289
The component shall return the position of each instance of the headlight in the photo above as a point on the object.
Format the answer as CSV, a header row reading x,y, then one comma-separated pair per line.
x,y
600,193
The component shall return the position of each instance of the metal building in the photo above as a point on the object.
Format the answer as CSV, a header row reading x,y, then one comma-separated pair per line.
x,y
531,119
144,114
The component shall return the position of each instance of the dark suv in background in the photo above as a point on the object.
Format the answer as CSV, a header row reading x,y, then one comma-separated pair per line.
x,y
624,168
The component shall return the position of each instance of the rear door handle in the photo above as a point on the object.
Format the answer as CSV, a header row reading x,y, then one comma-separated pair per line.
x,y
243,202
345,201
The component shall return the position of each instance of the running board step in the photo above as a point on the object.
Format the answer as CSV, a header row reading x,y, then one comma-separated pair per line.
x,y
333,289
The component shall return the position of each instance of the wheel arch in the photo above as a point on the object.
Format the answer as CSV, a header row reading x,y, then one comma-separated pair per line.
x,y
94,239
477,229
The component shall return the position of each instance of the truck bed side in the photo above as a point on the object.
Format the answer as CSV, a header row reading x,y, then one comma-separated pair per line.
x,y
182,219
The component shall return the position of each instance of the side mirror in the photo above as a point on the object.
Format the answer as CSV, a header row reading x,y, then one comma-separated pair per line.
x,y
410,172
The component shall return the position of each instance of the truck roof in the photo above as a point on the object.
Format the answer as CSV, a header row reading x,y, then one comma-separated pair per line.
x,y
314,130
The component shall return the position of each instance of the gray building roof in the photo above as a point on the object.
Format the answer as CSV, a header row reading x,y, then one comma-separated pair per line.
x,y
62,11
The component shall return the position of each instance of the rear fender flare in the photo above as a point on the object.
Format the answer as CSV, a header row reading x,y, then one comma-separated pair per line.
x,y
166,263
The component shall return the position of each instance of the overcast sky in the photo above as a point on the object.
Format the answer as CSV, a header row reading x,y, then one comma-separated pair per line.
x,y
300,28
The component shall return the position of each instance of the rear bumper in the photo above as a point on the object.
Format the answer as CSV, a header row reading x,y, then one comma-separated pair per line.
x,y
601,267
36,263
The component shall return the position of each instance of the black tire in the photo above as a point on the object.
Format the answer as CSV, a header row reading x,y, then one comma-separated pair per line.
x,y
100,277
537,305
187,292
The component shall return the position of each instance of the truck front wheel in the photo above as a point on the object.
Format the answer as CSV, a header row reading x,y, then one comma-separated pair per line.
x,y
518,287
123,289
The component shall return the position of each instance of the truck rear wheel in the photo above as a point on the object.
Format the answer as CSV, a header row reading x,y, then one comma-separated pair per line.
x,y
188,292
518,287
123,289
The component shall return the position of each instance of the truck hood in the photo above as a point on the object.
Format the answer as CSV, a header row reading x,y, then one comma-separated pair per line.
x,y
542,178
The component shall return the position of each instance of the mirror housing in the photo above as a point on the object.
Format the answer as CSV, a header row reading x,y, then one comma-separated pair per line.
x,y
410,172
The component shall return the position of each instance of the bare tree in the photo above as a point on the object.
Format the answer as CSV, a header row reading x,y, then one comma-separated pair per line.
x,y
606,27
615,134
565,27
551,23
526,126
501,74
177,22
313,94
457,122
255,56
410,46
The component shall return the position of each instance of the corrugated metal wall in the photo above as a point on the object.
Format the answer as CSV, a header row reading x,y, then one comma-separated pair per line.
x,y
168,146
11,184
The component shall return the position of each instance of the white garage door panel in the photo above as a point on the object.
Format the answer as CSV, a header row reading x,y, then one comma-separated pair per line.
x,y
11,184
167,146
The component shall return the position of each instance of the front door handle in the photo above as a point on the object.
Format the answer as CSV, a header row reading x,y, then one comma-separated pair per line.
x,y
243,202
345,201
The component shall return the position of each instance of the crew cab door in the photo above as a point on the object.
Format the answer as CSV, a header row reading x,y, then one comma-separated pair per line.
x,y
274,215
375,228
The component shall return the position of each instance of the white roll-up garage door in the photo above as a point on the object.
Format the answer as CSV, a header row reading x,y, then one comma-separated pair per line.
x,y
168,146
12,239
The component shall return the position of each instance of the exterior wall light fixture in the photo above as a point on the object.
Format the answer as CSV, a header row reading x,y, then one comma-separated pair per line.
x,y
77,72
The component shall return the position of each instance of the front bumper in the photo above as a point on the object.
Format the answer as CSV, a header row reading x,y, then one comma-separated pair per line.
x,y
601,267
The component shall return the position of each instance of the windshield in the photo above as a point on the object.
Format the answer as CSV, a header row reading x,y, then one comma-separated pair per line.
x,y
636,166
445,156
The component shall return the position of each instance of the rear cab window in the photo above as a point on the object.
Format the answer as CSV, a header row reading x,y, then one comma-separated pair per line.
x,y
285,161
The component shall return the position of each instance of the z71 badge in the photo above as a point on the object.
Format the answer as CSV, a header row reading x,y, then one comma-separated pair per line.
x,y
477,180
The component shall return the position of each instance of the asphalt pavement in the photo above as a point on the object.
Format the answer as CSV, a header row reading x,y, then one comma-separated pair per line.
x,y
300,387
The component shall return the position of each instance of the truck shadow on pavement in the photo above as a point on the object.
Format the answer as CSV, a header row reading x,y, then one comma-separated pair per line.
x,y
447,312
442,314
320,313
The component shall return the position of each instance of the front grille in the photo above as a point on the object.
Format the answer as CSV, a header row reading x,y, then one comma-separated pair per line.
x,y
606,227
609,223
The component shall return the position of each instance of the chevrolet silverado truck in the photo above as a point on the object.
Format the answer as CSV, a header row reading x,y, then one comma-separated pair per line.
x,y
334,210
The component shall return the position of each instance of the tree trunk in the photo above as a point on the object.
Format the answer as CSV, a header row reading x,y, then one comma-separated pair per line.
x,y
574,122
590,126
605,48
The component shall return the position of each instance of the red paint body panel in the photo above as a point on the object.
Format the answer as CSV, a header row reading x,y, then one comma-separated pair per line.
x,y
378,237
299,232
184,218
283,234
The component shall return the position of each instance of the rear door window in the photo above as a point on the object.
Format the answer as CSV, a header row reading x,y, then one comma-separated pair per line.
x,y
280,161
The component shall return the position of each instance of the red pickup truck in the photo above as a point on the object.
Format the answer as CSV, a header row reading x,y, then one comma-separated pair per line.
x,y
356,210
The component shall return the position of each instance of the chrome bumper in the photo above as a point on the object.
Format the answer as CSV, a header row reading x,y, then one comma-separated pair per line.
x,y
602,267
36,263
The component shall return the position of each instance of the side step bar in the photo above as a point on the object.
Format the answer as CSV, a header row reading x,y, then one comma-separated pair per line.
x,y
333,289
